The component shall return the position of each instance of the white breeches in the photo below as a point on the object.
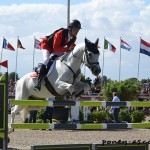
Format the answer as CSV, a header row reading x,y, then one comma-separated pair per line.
x,y
46,55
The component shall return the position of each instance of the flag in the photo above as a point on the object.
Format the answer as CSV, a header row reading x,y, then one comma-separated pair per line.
x,y
4,64
145,47
109,46
19,45
36,44
7,45
124,45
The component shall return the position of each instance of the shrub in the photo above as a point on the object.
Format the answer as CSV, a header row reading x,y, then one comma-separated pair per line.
x,y
124,115
99,116
137,116
40,114
81,115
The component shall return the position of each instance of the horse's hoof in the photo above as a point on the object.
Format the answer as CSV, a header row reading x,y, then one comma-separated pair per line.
x,y
66,96
10,130
8,139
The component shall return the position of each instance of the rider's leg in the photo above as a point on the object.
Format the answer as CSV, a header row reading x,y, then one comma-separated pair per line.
x,y
42,69
41,74
51,60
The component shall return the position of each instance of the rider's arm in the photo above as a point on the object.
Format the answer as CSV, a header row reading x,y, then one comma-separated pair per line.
x,y
57,42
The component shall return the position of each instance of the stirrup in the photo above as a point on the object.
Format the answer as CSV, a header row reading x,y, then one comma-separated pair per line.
x,y
35,69
36,87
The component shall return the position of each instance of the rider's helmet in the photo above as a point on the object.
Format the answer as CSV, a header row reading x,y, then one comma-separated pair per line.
x,y
75,23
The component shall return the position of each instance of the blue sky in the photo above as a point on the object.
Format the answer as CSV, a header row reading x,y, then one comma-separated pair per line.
x,y
9,2
111,19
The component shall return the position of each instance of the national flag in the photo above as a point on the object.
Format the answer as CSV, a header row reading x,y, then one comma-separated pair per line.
x,y
124,45
36,44
19,44
109,46
4,64
145,47
7,45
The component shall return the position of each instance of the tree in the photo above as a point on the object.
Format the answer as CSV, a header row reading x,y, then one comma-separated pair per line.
x,y
11,76
127,90
0,74
145,81
82,77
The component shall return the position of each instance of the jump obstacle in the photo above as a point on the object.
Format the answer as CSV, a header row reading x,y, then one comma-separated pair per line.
x,y
80,126
4,114
79,103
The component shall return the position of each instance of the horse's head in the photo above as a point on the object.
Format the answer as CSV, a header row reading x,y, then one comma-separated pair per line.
x,y
91,57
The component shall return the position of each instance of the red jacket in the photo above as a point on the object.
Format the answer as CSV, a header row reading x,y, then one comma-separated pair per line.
x,y
60,42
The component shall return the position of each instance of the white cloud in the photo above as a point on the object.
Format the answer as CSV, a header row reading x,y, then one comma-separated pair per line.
x,y
111,19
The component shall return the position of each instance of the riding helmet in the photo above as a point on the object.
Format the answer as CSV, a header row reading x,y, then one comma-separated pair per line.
x,y
75,23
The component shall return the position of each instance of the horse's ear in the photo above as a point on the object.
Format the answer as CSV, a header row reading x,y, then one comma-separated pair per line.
x,y
96,42
86,41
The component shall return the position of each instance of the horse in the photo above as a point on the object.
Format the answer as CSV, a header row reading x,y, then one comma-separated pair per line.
x,y
63,78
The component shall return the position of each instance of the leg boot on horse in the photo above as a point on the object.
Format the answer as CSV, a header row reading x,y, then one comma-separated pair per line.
x,y
41,73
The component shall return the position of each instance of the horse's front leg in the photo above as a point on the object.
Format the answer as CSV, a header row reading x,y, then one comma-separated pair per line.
x,y
64,86
81,88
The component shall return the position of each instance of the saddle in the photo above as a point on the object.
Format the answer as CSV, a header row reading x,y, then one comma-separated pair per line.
x,y
46,71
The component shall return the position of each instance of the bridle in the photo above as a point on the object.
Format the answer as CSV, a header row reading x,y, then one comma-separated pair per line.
x,y
88,61
86,56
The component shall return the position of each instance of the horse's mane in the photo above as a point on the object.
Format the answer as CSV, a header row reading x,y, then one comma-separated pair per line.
x,y
92,47
79,46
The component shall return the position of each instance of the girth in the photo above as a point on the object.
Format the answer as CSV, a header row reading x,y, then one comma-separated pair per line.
x,y
50,87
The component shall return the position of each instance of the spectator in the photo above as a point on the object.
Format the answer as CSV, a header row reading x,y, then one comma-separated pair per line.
x,y
32,116
48,112
97,81
88,81
115,109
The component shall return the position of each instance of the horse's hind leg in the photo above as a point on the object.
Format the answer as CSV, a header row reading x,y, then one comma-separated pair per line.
x,y
14,111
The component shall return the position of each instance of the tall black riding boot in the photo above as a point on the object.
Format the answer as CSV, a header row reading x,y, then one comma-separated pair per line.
x,y
41,74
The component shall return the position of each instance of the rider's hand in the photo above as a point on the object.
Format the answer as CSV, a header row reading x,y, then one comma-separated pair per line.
x,y
72,47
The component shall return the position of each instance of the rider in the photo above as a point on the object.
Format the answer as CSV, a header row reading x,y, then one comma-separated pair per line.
x,y
62,40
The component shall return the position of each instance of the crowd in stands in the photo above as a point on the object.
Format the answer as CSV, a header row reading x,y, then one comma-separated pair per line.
x,y
11,88
145,88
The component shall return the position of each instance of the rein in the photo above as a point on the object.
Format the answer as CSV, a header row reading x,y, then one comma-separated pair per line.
x,y
75,75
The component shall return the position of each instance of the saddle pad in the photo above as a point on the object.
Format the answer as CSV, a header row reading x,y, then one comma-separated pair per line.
x,y
51,68
33,75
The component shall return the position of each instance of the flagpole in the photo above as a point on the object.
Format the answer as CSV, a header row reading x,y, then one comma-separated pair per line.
x,y
33,52
84,70
2,50
102,66
139,62
16,60
120,61
68,12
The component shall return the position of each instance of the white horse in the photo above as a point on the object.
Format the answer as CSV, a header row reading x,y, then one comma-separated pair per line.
x,y
64,78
